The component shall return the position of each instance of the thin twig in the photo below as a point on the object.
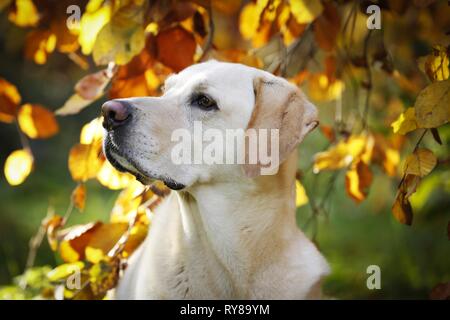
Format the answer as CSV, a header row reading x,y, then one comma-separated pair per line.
x,y
369,79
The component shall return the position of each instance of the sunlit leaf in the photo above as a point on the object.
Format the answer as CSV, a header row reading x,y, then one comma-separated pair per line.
x,y
405,122
321,88
432,105
122,38
37,122
92,131
85,160
24,13
305,11
9,101
357,181
94,255
63,271
92,21
420,163
18,166
300,194
344,153
109,177
39,44
437,64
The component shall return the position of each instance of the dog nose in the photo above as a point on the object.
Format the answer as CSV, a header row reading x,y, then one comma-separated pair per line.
x,y
115,114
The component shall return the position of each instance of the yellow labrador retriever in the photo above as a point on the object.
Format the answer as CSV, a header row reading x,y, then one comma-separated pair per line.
x,y
226,231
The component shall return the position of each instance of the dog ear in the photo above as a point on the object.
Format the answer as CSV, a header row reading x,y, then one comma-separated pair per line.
x,y
281,106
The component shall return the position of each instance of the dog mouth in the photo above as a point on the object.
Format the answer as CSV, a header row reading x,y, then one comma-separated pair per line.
x,y
125,164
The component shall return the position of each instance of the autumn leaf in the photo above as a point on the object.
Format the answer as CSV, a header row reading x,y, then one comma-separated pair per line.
x,y
39,44
85,160
405,122
432,105
92,131
402,210
176,48
357,181
420,163
305,11
436,64
63,271
24,13
300,195
92,86
321,88
327,27
9,101
104,275
37,122
96,16
79,196
109,177
18,166
121,38
52,226
344,153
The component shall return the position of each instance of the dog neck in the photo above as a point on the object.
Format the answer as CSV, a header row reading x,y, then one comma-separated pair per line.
x,y
237,232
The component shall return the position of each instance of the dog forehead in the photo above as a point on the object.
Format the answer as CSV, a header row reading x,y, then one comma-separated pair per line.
x,y
215,74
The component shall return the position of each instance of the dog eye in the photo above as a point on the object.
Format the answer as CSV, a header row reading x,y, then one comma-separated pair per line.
x,y
204,102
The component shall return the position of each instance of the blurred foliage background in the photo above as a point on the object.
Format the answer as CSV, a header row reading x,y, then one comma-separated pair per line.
x,y
352,235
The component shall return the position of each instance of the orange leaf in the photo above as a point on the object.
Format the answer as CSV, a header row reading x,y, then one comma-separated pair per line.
x,y
357,181
176,48
85,160
9,101
37,122
79,196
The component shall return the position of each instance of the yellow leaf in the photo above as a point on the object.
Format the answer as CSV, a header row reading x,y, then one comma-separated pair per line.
x,y
344,153
18,166
420,163
357,180
9,101
127,202
405,122
79,196
92,131
85,161
249,20
321,88
24,13
67,253
305,11
300,194
91,23
94,255
104,276
437,64
37,122
433,105
122,38
109,177
65,270
52,226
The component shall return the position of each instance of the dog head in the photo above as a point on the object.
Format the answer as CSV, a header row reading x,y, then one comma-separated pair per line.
x,y
202,104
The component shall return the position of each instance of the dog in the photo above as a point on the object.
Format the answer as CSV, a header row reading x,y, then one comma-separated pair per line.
x,y
225,231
